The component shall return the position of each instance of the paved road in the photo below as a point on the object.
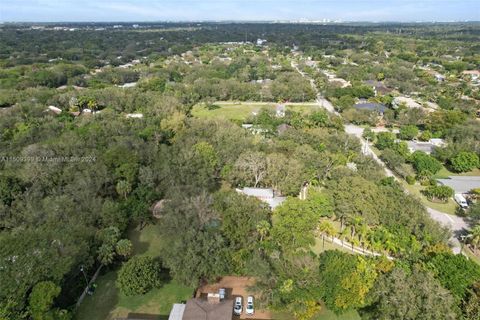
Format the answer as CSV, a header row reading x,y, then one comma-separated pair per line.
x,y
455,224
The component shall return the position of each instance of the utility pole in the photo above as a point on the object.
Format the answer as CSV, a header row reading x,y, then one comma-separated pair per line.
x,y
84,275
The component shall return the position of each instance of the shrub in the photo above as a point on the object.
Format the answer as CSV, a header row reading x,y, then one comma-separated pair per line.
x,y
410,180
139,275
438,192
385,140
423,163
408,132
465,161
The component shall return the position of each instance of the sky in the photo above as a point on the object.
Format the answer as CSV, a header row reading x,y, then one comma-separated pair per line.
x,y
257,10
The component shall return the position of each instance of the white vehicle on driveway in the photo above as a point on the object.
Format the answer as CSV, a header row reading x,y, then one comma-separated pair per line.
x,y
237,307
460,199
249,308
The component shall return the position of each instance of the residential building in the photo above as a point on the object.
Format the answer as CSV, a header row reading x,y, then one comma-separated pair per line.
x,y
370,106
266,195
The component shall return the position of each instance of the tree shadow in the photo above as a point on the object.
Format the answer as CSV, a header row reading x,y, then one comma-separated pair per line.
x,y
139,246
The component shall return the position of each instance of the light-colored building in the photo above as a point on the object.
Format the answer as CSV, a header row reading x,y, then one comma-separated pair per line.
x,y
266,195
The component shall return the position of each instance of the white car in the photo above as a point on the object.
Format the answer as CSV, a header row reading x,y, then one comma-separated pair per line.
x,y
460,199
249,308
237,307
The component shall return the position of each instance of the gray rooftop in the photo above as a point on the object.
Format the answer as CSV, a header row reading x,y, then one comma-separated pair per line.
x,y
371,106
177,311
461,184
426,147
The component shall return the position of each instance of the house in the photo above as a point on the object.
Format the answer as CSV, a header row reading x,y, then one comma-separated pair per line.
x,y
211,308
439,77
134,115
378,87
177,312
426,146
370,106
461,184
261,42
280,110
406,101
266,195
340,82
473,74
53,109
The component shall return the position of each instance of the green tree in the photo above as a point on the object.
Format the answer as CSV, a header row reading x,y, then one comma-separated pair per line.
x,y
408,132
41,301
123,188
424,163
345,280
326,228
425,135
465,161
438,192
139,275
475,236
455,272
385,140
295,225
124,248
417,296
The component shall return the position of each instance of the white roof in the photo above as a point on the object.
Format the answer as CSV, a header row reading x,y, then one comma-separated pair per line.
x,y
177,312
264,194
134,115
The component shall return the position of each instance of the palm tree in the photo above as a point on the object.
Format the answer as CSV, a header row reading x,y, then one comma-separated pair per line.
x,y
123,188
263,228
475,237
344,234
363,231
326,229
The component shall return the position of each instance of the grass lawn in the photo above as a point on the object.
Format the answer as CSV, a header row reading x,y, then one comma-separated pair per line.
x,y
448,207
109,303
242,110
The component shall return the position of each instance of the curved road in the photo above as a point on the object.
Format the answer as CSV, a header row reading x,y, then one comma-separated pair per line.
x,y
455,224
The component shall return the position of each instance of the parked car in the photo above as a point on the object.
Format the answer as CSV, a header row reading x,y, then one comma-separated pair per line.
x,y
237,307
249,308
460,199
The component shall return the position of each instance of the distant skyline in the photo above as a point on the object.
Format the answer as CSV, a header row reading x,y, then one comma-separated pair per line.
x,y
239,10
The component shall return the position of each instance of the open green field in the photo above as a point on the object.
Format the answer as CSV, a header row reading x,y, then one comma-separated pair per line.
x,y
240,111
109,303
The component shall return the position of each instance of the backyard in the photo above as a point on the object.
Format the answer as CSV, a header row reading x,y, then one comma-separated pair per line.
x,y
240,111
109,303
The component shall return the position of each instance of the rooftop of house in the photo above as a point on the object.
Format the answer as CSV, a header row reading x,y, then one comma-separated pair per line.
x,y
378,85
426,147
201,309
177,312
409,102
266,195
461,184
370,106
